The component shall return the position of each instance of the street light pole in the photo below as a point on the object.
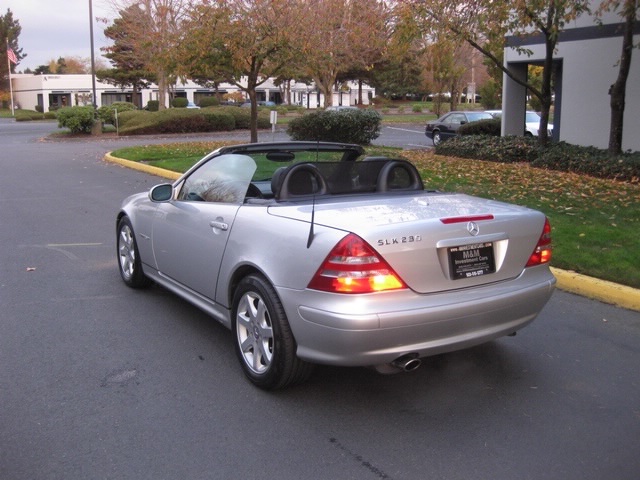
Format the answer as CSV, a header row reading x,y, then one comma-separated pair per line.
x,y
93,59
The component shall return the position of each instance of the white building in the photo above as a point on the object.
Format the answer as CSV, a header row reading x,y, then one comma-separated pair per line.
x,y
586,65
54,91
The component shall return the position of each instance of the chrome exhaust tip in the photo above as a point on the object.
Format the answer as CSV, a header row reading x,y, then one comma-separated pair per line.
x,y
408,362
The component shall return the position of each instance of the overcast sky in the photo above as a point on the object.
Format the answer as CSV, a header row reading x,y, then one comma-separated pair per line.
x,y
53,29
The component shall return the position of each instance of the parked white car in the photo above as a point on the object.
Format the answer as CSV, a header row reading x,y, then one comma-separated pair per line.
x,y
532,122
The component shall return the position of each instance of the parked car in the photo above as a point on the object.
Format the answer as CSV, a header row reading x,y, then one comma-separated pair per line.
x,y
260,103
532,122
448,125
312,253
340,108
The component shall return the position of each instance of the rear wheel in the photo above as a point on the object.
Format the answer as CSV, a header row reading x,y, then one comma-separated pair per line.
x,y
263,340
128,258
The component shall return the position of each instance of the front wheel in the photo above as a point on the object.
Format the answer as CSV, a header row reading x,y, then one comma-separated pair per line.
x,y
128,257
437,139
263,340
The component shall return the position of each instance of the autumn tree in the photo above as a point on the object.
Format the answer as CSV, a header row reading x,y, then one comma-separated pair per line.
x,y
401,70
244,42
153,29
628,10
9,32
339,36
483,23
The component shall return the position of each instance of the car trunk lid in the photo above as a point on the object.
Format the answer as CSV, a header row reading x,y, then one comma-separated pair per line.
x,y
435,241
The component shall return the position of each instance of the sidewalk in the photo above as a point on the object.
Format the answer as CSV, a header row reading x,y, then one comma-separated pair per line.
x,y
601,290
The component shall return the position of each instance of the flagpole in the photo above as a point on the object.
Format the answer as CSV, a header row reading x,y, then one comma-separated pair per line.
x,y
10,85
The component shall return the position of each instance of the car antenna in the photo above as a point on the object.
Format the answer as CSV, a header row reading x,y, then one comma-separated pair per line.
x,y
313,202
313,215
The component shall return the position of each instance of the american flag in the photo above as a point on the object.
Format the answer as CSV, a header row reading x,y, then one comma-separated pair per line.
x,y
12,56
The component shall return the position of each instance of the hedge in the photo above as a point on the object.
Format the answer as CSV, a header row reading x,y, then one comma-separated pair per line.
x,y
349,126
178,120
107,113
482,127
560,156
29,115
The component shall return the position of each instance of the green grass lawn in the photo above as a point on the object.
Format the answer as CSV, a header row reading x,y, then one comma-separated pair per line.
x,y
595,222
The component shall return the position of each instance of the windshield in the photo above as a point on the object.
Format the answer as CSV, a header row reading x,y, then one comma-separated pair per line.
x,y
533,117
475,116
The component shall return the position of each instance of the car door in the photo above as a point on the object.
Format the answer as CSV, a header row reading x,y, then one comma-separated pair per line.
x,y
454,121
190,233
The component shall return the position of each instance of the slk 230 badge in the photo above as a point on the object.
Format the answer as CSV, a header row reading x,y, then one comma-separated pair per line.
x,y
398,240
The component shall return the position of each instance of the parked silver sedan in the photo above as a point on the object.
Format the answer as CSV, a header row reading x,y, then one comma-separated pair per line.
x,y
312,253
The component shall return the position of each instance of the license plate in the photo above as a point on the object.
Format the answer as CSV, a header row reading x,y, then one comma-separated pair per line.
x,y
469,261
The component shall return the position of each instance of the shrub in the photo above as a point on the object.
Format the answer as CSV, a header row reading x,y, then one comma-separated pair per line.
x,y
219,120
209,102
76,119
482,127
349,126
107,113
416,108
153,106
39,109
242,117
590,161
488,147
28,115
556,156
179,102
132,121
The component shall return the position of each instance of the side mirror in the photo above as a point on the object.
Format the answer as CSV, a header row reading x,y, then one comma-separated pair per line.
x,y
161,193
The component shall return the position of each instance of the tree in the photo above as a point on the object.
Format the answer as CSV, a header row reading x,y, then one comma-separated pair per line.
x,y
339,36
402,70
244,42
483,23
9,32
628,10
153,29
129,62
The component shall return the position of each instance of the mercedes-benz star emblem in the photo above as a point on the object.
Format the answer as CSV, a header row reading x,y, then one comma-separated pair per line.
x,y
473,229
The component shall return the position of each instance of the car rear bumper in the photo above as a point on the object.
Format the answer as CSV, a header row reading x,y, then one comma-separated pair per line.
x,y
357,331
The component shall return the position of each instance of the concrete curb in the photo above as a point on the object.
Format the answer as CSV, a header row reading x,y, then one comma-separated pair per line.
x,y
601,290
160,172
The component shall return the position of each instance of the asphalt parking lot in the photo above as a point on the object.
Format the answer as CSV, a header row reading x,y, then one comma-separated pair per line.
x,y
100,381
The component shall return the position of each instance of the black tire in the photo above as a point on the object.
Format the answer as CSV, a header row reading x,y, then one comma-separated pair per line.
x,y
437,139
263,340
129,262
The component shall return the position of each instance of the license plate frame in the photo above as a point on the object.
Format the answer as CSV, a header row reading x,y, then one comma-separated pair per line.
x,y
471,261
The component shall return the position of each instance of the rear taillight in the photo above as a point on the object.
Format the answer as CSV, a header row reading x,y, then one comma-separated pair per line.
x,y
354,267
542,252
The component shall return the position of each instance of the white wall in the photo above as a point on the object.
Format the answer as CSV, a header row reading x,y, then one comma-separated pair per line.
x,y
589,68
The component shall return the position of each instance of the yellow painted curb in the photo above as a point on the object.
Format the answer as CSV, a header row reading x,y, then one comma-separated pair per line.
x,y
160,172
601,290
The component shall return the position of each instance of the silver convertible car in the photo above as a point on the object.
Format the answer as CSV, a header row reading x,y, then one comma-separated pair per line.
x,y
312,253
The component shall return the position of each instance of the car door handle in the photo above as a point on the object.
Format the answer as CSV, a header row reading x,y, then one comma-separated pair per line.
x,y
219,225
